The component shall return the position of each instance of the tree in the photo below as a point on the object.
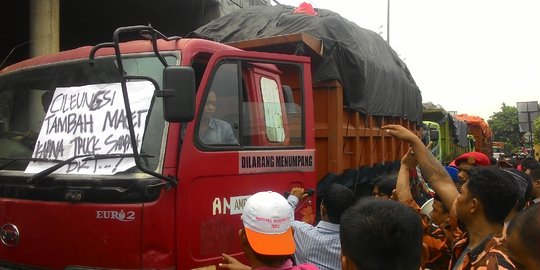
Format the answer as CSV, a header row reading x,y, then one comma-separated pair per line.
x,y
536,130
505,127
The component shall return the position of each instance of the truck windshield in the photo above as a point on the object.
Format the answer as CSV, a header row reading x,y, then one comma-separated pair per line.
x,y
25,97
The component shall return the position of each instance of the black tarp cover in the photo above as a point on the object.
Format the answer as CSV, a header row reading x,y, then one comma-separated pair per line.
x,y
459,131
458,128
375,80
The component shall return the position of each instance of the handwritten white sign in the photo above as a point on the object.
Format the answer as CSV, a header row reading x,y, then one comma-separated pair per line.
x,y
91,120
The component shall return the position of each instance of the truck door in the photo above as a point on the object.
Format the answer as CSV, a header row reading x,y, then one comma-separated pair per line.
x,y
247,137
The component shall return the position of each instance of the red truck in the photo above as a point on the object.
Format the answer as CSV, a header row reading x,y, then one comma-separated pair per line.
x,y
75,194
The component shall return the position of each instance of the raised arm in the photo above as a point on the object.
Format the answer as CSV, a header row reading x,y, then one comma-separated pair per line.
x,y
432,170
403,184
297,194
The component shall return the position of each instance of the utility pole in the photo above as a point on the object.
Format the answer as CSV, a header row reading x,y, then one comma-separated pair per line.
x,y
44,27
388,22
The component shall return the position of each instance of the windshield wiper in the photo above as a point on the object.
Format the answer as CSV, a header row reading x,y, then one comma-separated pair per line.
x,y
13,160
62,163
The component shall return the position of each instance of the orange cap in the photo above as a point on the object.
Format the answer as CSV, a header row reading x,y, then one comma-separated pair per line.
x,y
271,244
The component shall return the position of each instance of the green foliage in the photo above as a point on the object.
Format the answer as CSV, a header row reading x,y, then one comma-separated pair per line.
x,y
537,130
505,127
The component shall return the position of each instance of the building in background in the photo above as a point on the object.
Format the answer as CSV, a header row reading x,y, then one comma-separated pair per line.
x,y
528,112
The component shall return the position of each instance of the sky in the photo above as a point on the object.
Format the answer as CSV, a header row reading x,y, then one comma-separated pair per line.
x,y
468,56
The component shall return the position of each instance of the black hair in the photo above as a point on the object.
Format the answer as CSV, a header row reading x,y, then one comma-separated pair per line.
x,y
46,99
268,260
524,184
527,225
386,183
513,162
492,160
535,174
529,163
437,198
381,234
336,199
495,189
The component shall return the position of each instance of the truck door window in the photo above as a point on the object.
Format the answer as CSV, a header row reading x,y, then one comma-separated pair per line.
x,y
272,113
273,117
219,121
251,105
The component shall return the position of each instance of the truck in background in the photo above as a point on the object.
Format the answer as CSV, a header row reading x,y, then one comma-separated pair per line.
x,y
498,150
75,194
447,134
480,130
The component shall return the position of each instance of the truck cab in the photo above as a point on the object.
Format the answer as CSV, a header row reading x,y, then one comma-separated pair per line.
x,y
431,132
144,157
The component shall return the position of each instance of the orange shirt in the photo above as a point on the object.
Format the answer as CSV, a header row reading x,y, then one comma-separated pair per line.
x,y
488,255
437,241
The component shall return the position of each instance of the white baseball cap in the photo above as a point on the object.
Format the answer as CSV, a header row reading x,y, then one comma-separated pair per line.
x,y
267,223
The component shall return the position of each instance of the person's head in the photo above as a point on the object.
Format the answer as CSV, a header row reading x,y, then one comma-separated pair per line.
x,y
267,236
439,212
380,234
384,185
210,105
490,193
469,160
528,164
535,183
523,239
46,99
524,185
336,199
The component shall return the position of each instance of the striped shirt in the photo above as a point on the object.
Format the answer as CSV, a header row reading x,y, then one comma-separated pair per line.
x,y
318,245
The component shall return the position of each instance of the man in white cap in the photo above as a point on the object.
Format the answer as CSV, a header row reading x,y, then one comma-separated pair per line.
x,y
267,237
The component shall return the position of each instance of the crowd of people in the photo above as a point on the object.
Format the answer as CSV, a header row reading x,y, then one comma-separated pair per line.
x,y
484,217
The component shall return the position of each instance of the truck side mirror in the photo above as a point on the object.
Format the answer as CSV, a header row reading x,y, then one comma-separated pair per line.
x,y
434,135
178,93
